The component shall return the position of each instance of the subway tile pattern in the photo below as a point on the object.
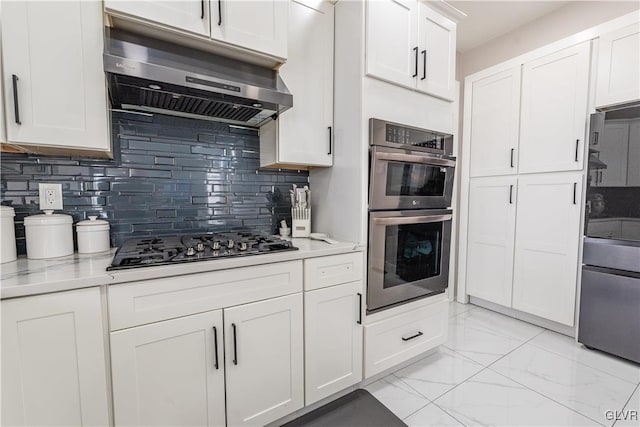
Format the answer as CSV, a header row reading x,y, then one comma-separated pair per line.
x,y
169,175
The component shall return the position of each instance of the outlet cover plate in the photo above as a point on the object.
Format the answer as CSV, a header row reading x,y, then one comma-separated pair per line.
x,y
50,196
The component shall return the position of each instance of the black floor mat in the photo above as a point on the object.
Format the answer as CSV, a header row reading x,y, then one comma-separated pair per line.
x,y
357,409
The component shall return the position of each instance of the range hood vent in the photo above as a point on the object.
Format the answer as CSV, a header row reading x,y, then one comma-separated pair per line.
x,y
160,77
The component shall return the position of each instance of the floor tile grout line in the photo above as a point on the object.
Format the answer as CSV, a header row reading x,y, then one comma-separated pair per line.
x,y
626,403
448,413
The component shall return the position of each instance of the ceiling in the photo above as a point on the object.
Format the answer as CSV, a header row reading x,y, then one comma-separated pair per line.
x,y
487,20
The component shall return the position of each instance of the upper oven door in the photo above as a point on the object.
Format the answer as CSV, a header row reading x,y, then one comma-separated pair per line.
x,y
406,179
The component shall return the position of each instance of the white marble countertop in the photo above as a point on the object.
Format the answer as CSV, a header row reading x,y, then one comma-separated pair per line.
x,y
30,277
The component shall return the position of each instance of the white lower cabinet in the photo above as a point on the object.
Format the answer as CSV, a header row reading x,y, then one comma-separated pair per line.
x,y
53,360
547,244
170,373
333,339
264,360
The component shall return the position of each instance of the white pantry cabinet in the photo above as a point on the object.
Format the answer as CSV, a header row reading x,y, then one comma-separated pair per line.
x,y
186,15
411,45
554,111
495,120
170,373
53,360
547,244
259,25
333,339
618,72
302,135
491,238
55,94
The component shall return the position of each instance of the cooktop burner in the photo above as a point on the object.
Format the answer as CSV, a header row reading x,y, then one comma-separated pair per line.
x,y
150,251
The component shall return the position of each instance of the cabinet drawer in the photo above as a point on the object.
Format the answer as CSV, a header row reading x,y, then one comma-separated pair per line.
x,y
138,303
391,341
332,270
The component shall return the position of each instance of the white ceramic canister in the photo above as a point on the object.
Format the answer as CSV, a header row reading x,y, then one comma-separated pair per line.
x,y
49,235
8,238
93,235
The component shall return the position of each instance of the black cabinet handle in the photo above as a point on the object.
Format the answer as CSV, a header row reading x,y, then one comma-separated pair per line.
x,y
419,334
596,136
330,138
512,151
577,144
600,176
424,65
215,347
235,344
359,322
415,74
16,108
219,12
511,194
201,9
575,187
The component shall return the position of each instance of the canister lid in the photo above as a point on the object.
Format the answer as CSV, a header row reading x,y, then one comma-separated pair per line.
x,y
93,224
7,211
48,219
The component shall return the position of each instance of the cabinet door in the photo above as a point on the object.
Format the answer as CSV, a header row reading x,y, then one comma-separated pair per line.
x,y
187,15
633,165
333,340
492,227
304,130
259,25
618,64
437,60
53,360
614,152
392,41
548,236
263,360
168,373
52,61
495,123
554,111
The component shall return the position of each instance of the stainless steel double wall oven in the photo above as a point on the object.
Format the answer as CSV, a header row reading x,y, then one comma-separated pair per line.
x,y
410,187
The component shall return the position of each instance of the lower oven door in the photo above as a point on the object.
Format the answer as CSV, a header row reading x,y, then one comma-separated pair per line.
x,y
408,256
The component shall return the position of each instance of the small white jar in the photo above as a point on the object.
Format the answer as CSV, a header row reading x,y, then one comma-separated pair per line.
x,y
93,235
49,235
8,248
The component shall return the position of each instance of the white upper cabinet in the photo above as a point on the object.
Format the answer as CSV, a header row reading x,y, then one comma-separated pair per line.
x,y
55,94
495,118
410,45
302,135
618,75
53,360
554,111
259,25
614,152
437,40
491,238
547,243
392,41
187,15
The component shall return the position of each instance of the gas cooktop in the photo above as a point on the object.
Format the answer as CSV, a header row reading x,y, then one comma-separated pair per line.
x,y
152,251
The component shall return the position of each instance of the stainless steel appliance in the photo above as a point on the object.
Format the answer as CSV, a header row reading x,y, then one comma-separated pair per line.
x,y
610,290
410,187
145,74
153,251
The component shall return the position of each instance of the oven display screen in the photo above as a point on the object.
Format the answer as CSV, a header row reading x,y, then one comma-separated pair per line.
x,y
412,252
415,179
419,138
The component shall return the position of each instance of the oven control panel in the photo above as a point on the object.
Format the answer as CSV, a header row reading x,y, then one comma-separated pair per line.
x,y
394,134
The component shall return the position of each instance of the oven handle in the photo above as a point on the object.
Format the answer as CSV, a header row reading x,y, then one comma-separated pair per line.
x,y
413,158
412,219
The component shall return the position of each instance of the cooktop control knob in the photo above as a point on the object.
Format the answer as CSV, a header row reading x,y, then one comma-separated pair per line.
x,y
215,246
230,244
200,247
243,246
191,251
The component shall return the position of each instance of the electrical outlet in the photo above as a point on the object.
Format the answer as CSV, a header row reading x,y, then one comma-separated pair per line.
x,y
50,196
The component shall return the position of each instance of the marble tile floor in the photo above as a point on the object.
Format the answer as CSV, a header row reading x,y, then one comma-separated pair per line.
x,y
498,371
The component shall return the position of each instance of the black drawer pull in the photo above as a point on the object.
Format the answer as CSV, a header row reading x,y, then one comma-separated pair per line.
x,y
359,322
424,65
577,146
16,108
219,12
512,151
215,347
511,194
419,334
575,187
415,74
330,139
235,344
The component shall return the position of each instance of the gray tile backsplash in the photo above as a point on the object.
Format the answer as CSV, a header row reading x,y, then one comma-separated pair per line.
x,y
169,175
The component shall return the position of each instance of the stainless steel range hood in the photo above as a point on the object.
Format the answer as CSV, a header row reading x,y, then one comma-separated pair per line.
x,y
155,76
